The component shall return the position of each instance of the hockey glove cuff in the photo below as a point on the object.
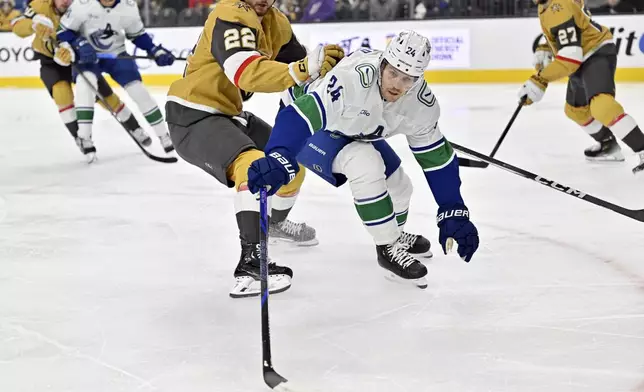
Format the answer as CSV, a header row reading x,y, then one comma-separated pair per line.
x,y
542,57
533,89
454,225
271,171
162,56
84,51
43,26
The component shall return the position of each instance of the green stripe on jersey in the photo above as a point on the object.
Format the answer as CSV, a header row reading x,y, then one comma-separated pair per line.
x,y
436,158
308,108
375,210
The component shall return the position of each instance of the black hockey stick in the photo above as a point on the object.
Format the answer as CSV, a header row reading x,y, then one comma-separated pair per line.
x,y
634,214
271,377
109,108
131,57
482,165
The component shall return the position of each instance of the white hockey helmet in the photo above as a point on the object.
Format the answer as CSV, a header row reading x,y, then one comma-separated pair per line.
x,y
409,52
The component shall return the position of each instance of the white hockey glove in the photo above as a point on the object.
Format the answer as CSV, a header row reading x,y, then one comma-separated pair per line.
x,y
319,61
533,89
542,57
43,26
64,54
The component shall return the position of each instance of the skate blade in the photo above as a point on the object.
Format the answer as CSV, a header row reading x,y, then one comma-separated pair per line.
x,y
90,157
607,159
426,255
288,241
421,283
246,286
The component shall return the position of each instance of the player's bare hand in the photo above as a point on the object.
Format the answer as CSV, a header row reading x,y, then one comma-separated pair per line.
x,y
534,89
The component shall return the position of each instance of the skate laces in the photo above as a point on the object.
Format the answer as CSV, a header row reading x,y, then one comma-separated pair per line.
x,y
398,253
408,239
291,228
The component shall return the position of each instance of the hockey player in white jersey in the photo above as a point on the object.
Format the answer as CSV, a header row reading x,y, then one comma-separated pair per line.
x,y
92,26
337,129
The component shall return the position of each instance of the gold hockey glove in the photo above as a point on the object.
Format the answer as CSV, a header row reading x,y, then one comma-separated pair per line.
x,y
319,61
64,55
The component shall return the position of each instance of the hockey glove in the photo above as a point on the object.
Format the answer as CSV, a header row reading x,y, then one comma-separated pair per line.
x,y
319,61
455,224
64,54
542,57
84,51
534,89
162,56
43,26
272,171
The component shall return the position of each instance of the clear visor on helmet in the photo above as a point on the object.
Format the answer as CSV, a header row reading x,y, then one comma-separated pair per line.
x,y
397,77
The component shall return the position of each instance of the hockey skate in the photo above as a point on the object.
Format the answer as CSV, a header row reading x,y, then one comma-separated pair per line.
x,y
247,278
141,137
419,246
640,167
86,146
298,234
401,266
166,143
605,151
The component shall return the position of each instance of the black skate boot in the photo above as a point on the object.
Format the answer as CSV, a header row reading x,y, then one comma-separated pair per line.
x,y
401,265
86,146
640,167
419,246
606,150
247,280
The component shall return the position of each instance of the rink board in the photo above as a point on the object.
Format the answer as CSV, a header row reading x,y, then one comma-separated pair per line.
x,y
463,51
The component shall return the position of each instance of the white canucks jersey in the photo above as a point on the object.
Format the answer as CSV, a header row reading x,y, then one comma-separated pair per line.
x,y
105,28
348,101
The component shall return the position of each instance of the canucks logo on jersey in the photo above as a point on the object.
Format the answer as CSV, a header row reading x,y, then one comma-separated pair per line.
x,y
103,39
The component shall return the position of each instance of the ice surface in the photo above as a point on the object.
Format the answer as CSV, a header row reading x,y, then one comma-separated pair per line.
x,y
115,276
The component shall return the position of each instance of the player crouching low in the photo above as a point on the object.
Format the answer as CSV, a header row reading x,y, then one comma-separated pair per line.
x,y
337,129
584,52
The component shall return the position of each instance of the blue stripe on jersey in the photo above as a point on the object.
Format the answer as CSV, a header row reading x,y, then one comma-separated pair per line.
x,y
371,198
428,147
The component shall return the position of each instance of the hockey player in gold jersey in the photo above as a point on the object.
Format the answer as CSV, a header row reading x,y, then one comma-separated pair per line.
x,y
584,51
7,14
245,47
41,17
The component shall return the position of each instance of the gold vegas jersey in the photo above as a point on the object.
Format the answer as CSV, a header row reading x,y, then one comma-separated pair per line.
x,y
570,31
235,51
22,25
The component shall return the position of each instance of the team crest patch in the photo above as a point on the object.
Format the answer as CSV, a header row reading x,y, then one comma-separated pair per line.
x,y
242,5
556,7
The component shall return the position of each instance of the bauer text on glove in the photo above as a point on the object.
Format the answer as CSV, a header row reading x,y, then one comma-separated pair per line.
x,y
272,171
455,223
